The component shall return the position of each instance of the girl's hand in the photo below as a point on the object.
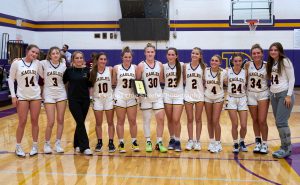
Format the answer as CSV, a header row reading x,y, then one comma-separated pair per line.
x,y
287,101
14,101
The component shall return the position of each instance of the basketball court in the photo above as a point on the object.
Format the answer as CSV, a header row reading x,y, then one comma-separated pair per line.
x,y
176,168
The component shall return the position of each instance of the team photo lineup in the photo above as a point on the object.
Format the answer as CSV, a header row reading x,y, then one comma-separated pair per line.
x,y
169,89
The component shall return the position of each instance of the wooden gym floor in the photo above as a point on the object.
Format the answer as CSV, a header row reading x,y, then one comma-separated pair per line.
x,y
147,168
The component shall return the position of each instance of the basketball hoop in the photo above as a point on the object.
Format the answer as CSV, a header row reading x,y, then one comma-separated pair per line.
x,y
252,24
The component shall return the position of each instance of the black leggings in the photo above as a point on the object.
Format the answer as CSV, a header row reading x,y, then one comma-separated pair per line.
x,y
79,109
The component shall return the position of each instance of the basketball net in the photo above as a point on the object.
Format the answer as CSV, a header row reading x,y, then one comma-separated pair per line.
x,y
252,24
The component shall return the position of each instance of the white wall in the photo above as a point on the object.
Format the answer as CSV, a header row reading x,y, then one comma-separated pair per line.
x,y
109,10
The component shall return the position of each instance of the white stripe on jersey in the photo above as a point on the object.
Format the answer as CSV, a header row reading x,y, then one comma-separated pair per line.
x,y
124,76
53,78
213,88
103,86
26,75
236,83
194,89
257,77
152,82
170,80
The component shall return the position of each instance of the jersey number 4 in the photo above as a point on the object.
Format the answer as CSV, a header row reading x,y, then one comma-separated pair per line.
x,y
31,81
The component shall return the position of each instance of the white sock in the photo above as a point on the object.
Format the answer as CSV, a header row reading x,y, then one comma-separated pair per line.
x,y
121,140
148,139
159,139
133,140
177,139
235,141
146,122
241,139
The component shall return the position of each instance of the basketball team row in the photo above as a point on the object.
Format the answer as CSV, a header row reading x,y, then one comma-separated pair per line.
x,y
202,84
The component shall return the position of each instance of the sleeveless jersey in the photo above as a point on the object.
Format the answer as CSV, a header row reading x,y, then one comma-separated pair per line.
x,y
214,88
150,77
53,78
194,89
26,75
103,86
257,77
124,77
170,80
236,83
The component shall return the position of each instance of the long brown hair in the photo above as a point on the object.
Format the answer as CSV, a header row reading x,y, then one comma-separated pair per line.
x,y
237,54
271,60
177,64
201,60
30,46
48,57
94,70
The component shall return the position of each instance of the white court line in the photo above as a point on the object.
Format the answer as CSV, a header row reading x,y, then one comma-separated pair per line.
x,y
129,176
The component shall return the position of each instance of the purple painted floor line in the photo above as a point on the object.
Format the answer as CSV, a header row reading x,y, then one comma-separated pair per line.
x,y
294,159
237,160
7,112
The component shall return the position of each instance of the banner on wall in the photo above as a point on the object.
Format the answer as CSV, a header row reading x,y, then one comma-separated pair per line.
x,y
296,38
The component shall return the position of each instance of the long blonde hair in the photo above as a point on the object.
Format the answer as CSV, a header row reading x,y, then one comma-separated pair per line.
x,y
220,69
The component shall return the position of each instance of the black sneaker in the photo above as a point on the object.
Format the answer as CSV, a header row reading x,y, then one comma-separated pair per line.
x,y
121,147
111,146
235,148
171,144
135,146
177,146
243,147
98,147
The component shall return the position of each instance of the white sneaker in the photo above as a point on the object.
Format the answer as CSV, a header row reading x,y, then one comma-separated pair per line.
x,y
217,148
34,150
58,147
77,150
47,148
257,148
88,152
210,146
197,146
19,151
189,145
264,148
